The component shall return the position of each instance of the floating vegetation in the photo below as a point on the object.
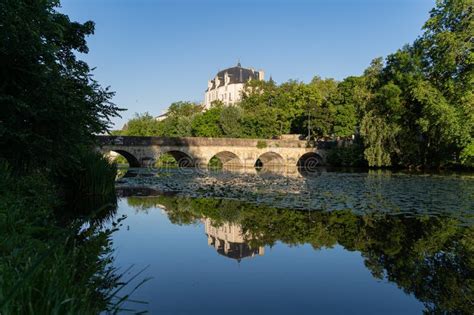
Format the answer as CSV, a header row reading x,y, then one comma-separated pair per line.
x,y
383,192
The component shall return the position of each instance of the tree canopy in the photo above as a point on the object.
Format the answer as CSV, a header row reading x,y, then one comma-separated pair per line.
x,y
51,105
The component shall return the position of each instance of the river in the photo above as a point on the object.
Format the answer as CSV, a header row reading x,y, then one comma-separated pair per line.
x,y
326,242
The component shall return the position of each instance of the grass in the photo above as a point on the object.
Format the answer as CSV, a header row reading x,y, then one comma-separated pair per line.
x,y
56,266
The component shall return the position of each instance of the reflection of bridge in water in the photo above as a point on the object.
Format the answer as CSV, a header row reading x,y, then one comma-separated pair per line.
x,y
232,153
229,240
263,172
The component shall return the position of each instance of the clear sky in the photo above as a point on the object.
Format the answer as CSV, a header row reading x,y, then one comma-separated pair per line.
x,y
153,53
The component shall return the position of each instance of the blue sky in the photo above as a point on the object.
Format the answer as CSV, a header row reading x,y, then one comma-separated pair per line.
x,y
153,53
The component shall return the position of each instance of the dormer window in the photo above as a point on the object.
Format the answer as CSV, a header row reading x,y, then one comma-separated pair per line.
x,y
236,76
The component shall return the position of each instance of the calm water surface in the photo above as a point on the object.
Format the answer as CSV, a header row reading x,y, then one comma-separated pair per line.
x,y
329,243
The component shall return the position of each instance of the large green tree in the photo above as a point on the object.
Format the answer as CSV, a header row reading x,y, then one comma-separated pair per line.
x,y
207,124
50,104
422,99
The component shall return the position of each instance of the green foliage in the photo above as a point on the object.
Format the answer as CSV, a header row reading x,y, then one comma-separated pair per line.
x,y
46,268
349,156
179,120
166,160
88,187
467,155
142,125
438,125
448,49
207,123
413,109
55,256
215,163
422,113
379,138
120,160
50,102
345,120
230,121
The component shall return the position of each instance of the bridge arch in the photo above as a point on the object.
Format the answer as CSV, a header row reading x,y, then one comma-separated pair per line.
x,y
182,158
269,159
228,159
131,159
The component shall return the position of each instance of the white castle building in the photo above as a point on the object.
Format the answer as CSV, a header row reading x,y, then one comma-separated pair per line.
x,y
228,84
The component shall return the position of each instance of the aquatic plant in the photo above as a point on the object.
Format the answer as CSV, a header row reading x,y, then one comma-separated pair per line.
x,y
51,268
88,187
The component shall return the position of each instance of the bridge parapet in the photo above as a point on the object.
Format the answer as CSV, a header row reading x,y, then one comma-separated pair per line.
x,y
199,151
201,141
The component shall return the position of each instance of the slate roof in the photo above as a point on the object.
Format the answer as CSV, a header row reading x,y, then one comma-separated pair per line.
x,y
237,251
236,74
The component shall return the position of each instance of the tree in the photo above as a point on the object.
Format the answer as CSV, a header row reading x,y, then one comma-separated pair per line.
x,y
143,125
448,47
178,123
413,109
51,105
438,124
379,139
230,121
448,57
183,109
207,123
422,99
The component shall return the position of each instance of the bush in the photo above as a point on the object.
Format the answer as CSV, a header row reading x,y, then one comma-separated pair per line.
x,y
350,156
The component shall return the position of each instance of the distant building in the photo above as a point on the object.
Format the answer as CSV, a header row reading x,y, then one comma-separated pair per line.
x,y
162,117
227,85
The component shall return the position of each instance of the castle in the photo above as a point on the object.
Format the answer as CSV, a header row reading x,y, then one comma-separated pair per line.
x,y
228,84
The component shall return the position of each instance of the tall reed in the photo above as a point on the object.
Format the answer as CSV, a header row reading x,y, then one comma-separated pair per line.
x,y
51,268
88,187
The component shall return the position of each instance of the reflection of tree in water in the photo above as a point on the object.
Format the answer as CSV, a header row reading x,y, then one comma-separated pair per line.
x,y
430,257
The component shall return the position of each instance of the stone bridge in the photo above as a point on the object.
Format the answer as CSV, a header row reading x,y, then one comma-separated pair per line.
x,y
197,151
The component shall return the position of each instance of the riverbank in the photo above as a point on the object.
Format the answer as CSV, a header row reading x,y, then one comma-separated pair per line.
x,y
50,264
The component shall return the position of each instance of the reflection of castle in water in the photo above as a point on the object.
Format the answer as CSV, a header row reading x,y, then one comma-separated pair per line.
x,y
228,240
